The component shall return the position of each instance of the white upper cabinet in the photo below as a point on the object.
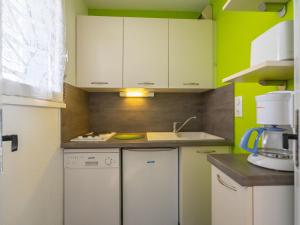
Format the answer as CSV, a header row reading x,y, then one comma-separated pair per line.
x,y
99,52
191,54
145,53
114,52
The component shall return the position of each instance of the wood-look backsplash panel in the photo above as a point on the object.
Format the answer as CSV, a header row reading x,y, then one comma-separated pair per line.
x,y
218,112
105,112
109,112
75,117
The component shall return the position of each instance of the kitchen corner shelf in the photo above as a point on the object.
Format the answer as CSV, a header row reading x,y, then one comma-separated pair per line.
x,y
267,71
248,5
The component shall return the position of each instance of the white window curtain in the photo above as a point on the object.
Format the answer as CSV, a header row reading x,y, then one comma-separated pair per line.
x,y
33,48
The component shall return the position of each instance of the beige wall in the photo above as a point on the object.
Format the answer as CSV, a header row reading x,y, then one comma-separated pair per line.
x,y
31,187
73,8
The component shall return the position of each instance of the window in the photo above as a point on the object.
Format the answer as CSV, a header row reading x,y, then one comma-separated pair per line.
x,y
33,48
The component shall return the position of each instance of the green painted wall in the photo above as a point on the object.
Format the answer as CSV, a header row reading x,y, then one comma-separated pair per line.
x,y
144,13
234,33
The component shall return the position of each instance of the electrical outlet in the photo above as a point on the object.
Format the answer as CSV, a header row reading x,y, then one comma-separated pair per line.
x,y
238,106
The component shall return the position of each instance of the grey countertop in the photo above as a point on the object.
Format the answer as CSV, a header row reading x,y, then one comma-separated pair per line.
x,y
141,143
239,169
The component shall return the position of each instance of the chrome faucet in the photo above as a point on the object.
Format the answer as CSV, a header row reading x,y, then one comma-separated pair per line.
x,y
176,130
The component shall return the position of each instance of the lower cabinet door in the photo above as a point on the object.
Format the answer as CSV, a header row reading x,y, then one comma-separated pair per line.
x,y
195,184
150,187
231,203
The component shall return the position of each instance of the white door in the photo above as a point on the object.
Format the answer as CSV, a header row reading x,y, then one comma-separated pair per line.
x,y
150,187
297,105
195,184
145,53
99,52
191,54
231,203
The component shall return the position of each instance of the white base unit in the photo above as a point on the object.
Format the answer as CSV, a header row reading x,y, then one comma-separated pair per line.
x,y
150,186
233,204
271,163
275,44
195,184
92,187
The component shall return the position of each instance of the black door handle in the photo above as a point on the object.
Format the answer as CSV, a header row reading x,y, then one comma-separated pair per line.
x,y
286,138
14,141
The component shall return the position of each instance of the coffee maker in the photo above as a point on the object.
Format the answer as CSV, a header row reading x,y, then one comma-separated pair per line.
x,y
271,148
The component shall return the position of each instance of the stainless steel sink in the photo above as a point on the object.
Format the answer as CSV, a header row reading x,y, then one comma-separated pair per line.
x,y
181,136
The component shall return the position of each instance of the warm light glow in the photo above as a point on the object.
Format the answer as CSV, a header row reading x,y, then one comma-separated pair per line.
x,y
136,93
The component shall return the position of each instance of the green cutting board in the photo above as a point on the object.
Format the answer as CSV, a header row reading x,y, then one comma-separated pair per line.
x,y
128,136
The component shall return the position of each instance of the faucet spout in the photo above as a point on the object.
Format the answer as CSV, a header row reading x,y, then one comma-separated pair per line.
x,y
176,130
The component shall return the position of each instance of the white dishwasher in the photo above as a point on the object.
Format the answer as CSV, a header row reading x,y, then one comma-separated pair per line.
x,y
92,187
150,186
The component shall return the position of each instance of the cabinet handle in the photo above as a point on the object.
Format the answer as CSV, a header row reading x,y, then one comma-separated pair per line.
x,y
191,84
206,152
146,83
226,185
101,83
149,150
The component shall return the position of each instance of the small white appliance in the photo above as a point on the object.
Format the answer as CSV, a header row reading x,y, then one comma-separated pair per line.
x,y
275,112
93,136
150,186
275,44
92,187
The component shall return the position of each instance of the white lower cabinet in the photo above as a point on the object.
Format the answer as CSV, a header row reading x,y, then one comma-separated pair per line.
x,y
195,184
233,204
150,186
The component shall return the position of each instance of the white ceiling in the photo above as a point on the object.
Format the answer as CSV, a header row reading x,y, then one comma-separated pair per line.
x,y
159,5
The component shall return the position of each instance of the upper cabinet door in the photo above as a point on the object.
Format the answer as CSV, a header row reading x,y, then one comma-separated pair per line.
x,y
191,54
145,53
99,52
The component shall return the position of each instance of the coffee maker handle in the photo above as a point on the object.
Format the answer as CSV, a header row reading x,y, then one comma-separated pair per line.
x,y
245,140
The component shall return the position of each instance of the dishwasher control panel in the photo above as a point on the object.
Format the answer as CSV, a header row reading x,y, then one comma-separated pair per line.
x,y
91,160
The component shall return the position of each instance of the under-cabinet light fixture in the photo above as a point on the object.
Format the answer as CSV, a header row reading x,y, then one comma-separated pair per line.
x,y
136,94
